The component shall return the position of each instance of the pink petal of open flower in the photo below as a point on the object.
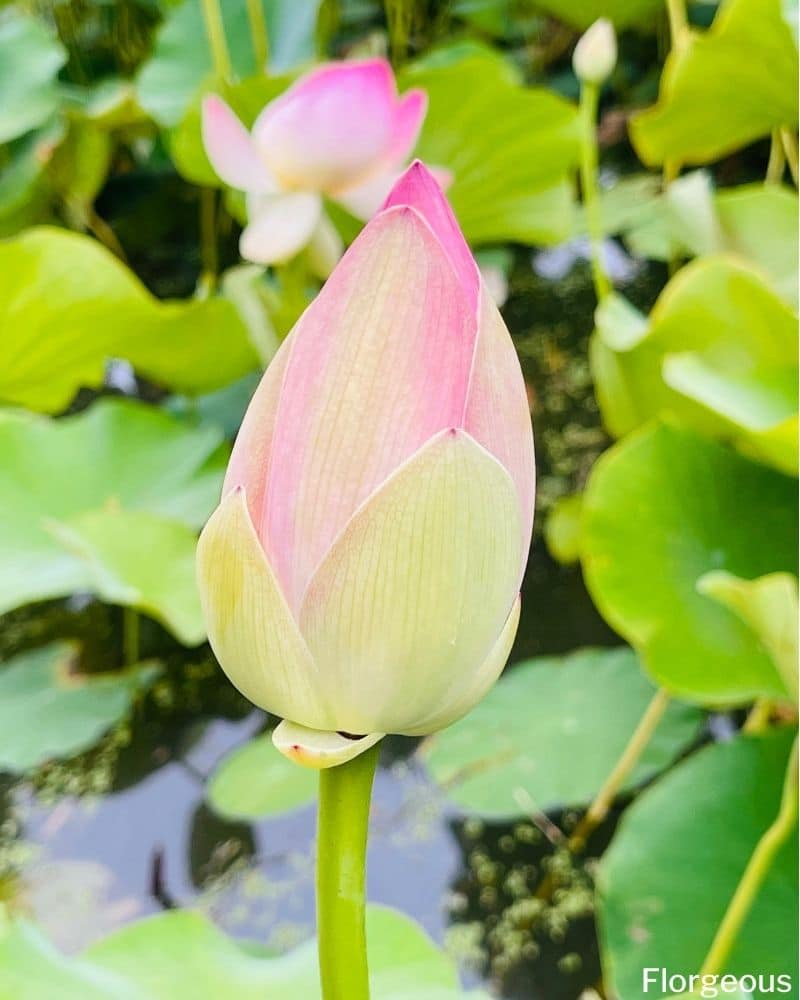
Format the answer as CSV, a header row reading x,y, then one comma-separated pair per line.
x,y
230,149
409,114
337,126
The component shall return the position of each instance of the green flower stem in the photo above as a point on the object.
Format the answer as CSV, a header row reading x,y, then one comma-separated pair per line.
x,y
259,34
679,39
789,140
604,799
754,874
678,23
208,240
636,746
399,20
671,172
590,93
344,798
758,717
777,159
130,636
215,29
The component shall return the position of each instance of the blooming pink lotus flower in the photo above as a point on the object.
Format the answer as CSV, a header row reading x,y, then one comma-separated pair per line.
x,y
361,574
340,131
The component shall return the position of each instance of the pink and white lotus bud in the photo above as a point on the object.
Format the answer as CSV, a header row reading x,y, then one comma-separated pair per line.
x,y
361,574
340,131
595,55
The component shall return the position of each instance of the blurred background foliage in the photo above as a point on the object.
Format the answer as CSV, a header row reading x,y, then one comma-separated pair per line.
x,y
596,813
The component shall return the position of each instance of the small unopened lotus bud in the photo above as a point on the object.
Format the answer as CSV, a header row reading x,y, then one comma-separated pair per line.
x,y
595,54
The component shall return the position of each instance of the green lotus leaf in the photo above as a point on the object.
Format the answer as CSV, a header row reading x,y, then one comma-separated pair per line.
x,y
719,354
182,61
550,731
769,606
58,332
511,170
116,548
180,955
676,859
47,711
582,13
30,58
106,501
728,86
756,222
661,509
256,780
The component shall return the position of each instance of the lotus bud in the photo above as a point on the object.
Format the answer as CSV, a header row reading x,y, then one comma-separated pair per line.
x,y
361,573
595,55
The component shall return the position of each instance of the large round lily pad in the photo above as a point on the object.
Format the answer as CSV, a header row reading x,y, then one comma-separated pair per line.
x,y
180,955
551,730
47,710
511,172
680,851
59,333
256,781
106,501
730,85
661,509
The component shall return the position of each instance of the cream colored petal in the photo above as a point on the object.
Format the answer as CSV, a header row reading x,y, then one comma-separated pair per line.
x,y
413,594
317,749
250,627
325,248
468,692
279,226
364,200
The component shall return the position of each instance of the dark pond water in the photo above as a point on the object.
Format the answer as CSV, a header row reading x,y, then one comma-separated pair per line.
x,y
124,830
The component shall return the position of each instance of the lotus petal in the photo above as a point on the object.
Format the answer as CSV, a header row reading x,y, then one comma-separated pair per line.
x,y
332,128
250,627
409,114
379,363
413,594
364,200
280,226
468,691
230,149
249,464
497,413
418,189
317,749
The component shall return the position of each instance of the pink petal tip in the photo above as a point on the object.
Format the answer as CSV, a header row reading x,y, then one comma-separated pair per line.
x,y
417,188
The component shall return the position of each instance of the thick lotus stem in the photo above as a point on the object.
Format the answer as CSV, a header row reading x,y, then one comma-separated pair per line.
x,y
342,826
